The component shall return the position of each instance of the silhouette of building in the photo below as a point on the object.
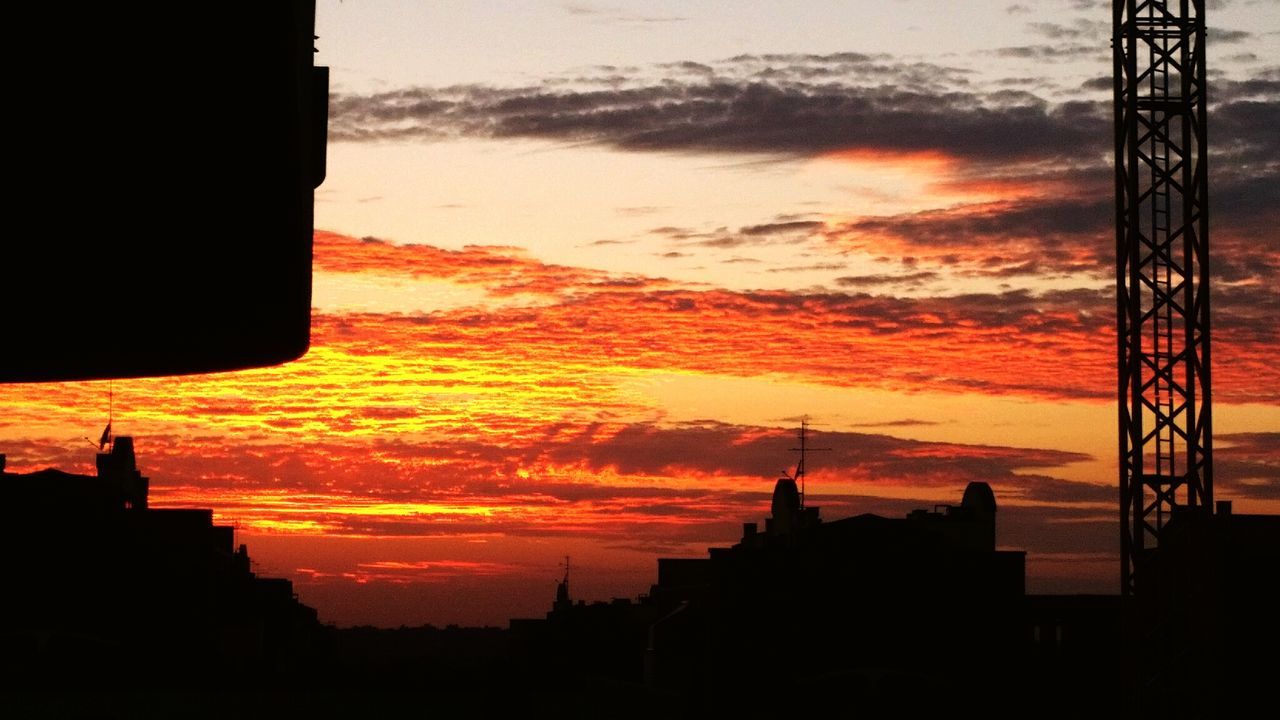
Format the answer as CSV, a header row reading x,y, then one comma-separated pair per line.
x,y
870,603
104,585
594,640
1212,595
855,601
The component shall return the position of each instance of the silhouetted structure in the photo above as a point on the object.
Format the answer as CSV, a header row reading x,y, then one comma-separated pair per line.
x,y
178,146
1200,588
105,587
864,602
870,604
1162,272
1210,602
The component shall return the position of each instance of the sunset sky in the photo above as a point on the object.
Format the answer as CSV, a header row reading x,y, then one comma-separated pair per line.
x,y
581,267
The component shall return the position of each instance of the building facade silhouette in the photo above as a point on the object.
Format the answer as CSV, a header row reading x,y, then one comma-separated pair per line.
x,y
104,586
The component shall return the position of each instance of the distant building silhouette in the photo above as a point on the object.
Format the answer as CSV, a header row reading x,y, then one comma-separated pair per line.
x,y
1213,597
859,599
923,615
866,602
102,584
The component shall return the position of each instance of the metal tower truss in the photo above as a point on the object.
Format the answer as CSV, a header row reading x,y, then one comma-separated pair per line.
x,y
1162,271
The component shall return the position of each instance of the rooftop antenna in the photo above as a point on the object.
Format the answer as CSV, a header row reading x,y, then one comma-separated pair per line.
x,y
107,438
562,589
804,448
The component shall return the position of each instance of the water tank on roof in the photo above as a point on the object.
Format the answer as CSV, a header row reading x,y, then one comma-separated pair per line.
x,y
979,498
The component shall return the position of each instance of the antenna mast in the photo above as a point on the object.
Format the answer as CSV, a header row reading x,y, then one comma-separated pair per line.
x,y
107,437
804,448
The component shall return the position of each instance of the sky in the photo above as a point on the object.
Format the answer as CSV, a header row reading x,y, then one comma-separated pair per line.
x,y
582,268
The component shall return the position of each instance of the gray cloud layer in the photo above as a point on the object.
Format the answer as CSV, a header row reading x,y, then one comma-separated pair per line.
x,y
795,105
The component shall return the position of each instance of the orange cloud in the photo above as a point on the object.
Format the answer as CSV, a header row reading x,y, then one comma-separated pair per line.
x,y
499,270
511,422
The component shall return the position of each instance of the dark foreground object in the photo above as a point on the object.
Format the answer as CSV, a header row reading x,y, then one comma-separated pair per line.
x,y
164,188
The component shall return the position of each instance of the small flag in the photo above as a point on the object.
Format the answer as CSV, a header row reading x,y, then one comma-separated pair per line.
x,y
106,437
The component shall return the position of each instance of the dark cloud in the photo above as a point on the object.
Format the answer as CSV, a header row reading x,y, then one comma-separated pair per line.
x,y
724,241
673,232
794,105
693,68
639,210
1247,466
1080,29
1074,233
858,281
800,105
810,267
1222,35
788,105
1103,83
776,228
1016,237
1245,128
783,230
1050,53
905,422
1010,81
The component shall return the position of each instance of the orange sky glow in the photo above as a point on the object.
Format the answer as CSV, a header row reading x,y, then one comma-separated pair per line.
x,y
575,299
520,426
